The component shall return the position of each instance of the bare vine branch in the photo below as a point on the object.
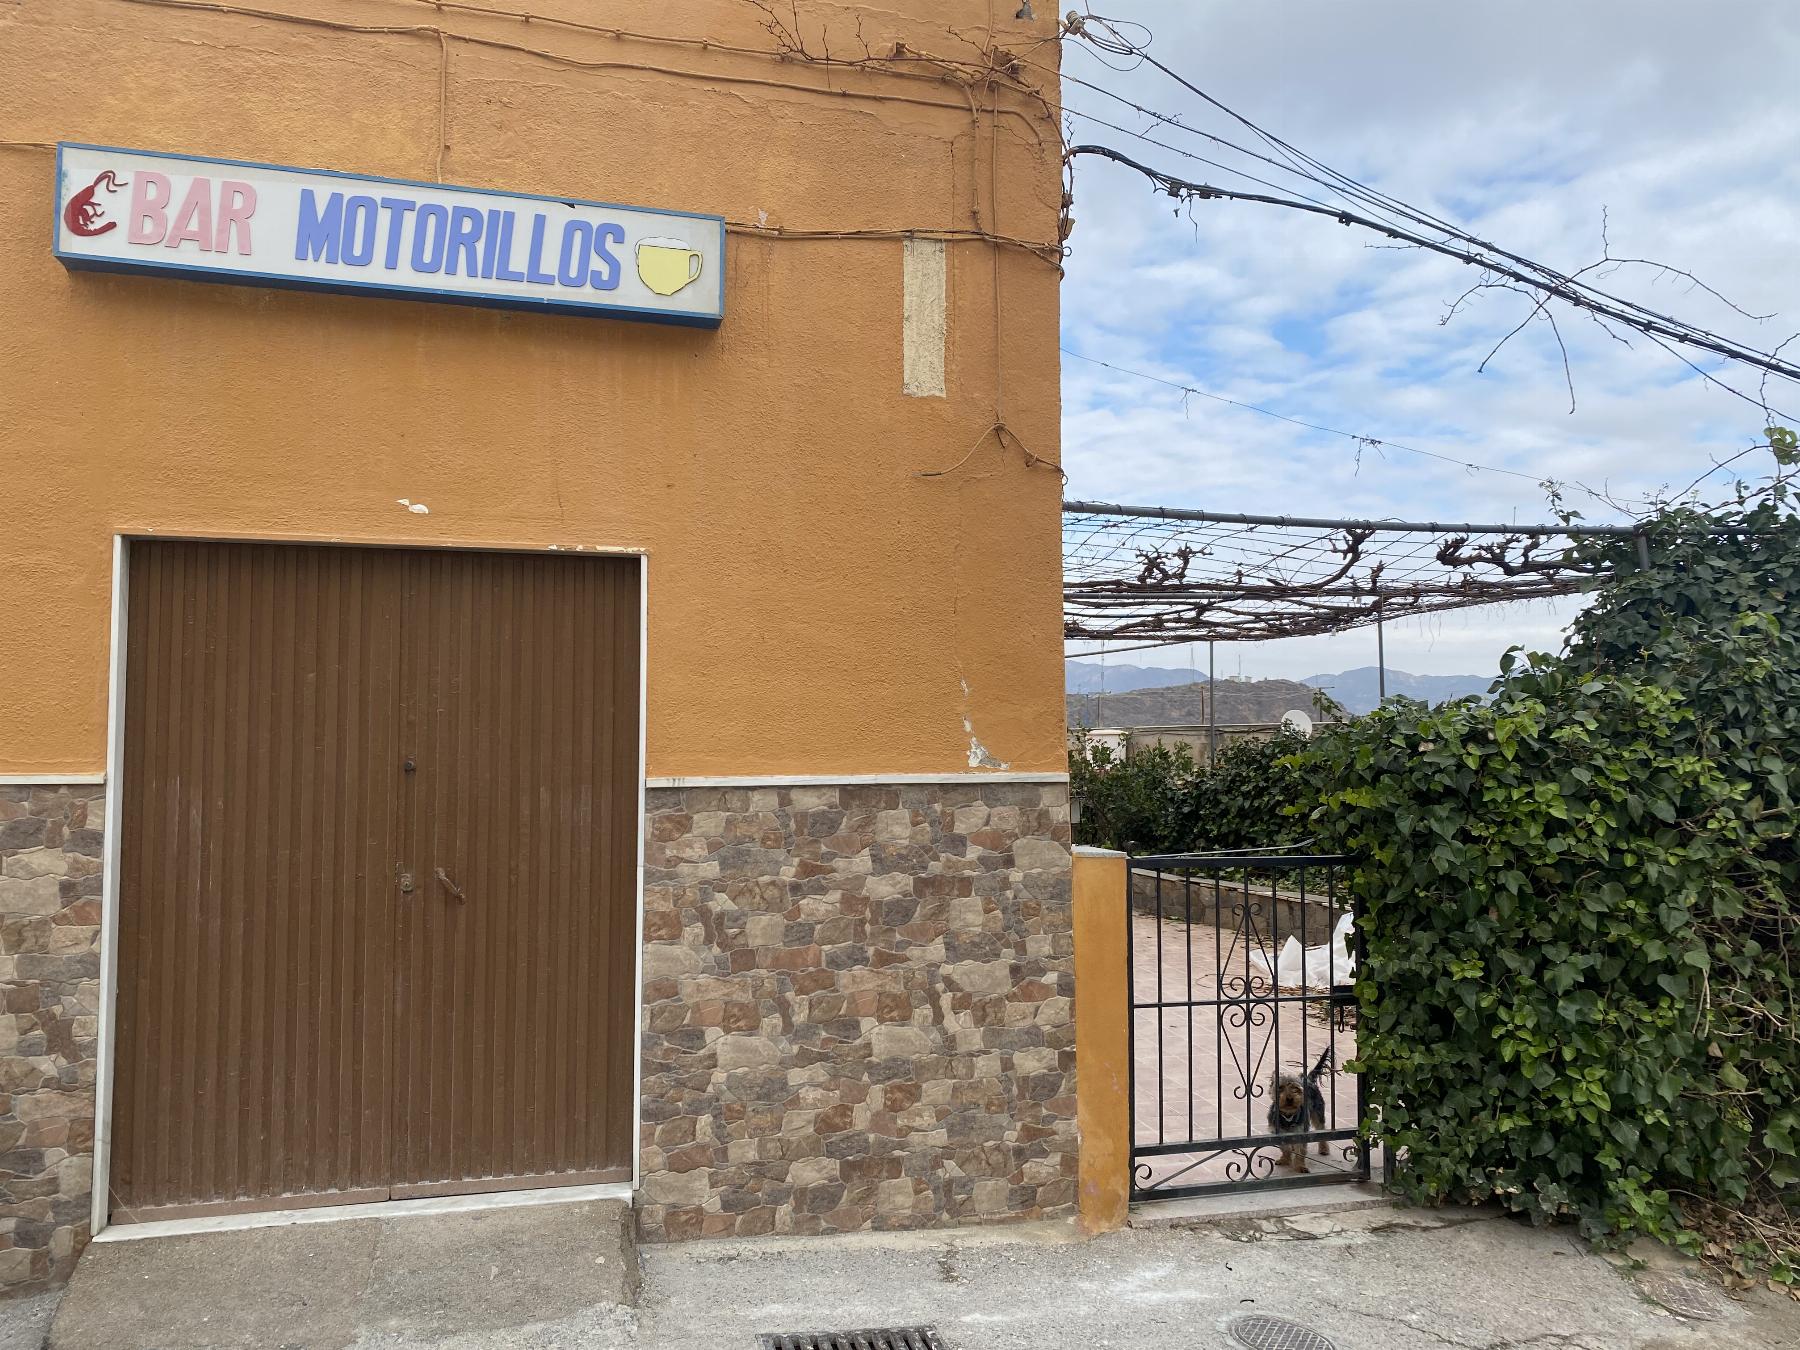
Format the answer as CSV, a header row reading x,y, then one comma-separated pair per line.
x,y
1542,284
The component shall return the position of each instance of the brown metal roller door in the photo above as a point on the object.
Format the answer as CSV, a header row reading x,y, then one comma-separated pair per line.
x,y
255,1022
516,985
377,894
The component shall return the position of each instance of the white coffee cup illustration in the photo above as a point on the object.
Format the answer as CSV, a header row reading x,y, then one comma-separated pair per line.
x,y
667,265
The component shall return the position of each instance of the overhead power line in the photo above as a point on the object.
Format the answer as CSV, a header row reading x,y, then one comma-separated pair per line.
x,y
1175,124
1185,154
1369,208
1625,314
1371,442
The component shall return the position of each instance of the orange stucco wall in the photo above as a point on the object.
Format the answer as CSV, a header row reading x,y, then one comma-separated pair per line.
x,y
1101,883
815,606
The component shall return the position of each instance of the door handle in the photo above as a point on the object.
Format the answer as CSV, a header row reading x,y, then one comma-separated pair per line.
x,y
452,887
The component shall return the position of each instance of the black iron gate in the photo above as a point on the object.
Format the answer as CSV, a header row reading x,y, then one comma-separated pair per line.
x,y
1243,1015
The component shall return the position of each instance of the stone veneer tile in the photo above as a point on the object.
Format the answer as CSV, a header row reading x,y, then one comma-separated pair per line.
x,y
50,859
857,1008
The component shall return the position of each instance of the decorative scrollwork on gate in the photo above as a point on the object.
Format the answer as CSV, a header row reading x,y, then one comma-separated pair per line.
x,y
1246,1016
1251,984
1248,1163
1217,1042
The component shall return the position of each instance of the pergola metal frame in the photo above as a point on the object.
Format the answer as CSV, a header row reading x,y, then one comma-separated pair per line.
x,y
1153,576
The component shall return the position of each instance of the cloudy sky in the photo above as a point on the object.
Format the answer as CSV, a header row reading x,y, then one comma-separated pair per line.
x,y
1524,123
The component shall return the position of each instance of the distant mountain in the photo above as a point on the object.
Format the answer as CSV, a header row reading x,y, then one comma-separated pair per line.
x,y
1358,690
1240,701
1086,677
1142,696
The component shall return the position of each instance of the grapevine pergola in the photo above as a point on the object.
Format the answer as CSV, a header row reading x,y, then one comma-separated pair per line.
x,y
1151,576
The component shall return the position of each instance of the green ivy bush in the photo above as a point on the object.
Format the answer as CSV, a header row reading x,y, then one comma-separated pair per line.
x,y
1581,907
1128,798
1253,797
1160,800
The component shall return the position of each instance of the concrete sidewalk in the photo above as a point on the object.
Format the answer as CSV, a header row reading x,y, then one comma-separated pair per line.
x,y
1368,1279
418,1280
1371,1279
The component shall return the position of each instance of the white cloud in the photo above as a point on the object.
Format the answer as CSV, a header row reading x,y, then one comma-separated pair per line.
x,y
1525,124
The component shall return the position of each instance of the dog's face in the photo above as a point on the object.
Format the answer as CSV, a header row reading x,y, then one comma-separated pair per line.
x,y
1290,1098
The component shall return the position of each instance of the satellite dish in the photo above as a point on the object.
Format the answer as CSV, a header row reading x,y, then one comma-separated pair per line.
x,y
1297,720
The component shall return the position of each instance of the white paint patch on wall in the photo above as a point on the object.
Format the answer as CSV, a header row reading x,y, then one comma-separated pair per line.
x,y
979,755
922,322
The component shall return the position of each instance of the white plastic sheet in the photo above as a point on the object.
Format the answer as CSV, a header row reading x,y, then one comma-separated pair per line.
x,y
1314,967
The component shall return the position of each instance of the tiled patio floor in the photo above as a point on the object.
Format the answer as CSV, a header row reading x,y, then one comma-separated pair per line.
x,y
1215,1064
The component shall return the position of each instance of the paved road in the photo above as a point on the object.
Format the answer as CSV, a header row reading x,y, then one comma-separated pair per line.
x,y
1371,1280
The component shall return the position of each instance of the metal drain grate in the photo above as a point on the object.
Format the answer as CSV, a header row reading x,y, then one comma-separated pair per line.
x,y
1259,1331
879,1338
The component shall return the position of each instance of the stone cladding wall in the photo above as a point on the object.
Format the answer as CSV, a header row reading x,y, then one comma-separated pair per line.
x,y
857,1012
50,859
857,1008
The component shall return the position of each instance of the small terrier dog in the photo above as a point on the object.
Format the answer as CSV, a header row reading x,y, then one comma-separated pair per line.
x,y
1295,1104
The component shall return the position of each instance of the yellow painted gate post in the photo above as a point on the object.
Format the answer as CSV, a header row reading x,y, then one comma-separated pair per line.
x,y
1102,1044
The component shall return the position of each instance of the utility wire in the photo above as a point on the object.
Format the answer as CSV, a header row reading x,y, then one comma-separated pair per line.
x,y
1306,166
1188,154
1401,222
1530,275
1298,161
1175,123
1372,442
